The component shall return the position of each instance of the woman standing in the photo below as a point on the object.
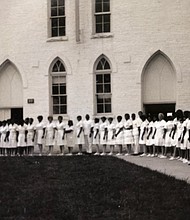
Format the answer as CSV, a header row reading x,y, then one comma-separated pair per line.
x,y
143,135
21,137
31,132
111,135
40,132
96,139
103,135
12,137
50,134
79,134
60,137
128,135
119,134
70,137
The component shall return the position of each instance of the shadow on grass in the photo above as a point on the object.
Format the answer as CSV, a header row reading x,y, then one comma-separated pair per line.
x,y
85,188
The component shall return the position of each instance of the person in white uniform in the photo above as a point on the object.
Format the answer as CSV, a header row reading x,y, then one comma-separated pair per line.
x,y
135,132
119,135
21,137
31,132
4,130
70,137
127,133
12,137
88,127
60,135
40,132
103,135
149,139
50,135
143,136
79,134
111,135
96,137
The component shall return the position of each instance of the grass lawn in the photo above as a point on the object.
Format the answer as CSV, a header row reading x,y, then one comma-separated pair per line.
x,y
88,187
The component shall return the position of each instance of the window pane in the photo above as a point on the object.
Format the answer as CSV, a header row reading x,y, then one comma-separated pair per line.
x,y
107,100
99,88
53,11
55,100
106,66
99,28
62,22
99,78
100,100
107,78
56,110
61,2
61,11
63,100
62,89
53,3
107,18
99,19
107,108
62,31
61,68
55,90
100,108
107,88
107,27
54,32
99,7
106,6
63,109
54,22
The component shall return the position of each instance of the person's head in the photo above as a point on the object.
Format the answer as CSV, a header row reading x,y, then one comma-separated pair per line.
x,y
103,119
79,118
154,118
87,117
186,114
21,122
110,119
140,113
9,121
60,119
143,117
70,123
119,118
133,116
4,123
31,120
50,118
26,121
96,120
40,118
127,116
179,114
149,118
160,116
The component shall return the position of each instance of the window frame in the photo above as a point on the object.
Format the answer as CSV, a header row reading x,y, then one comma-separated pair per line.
x,y
58,74
50,36
103,94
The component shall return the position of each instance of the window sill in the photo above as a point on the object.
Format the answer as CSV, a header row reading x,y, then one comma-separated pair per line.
x,y
102,35
54,39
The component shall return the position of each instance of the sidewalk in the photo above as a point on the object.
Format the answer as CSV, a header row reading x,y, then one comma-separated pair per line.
x,y
173,168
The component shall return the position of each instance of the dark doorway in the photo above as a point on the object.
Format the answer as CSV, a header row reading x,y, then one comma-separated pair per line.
x,y
17,114
155,109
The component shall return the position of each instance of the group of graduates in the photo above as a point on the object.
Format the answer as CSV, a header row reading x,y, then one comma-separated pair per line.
x,y
152,136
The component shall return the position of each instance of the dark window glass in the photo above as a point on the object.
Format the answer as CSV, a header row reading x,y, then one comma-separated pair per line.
x,y
100,108
107,108
62,89
54,32
54,22
55,90
61,2
54,12
56,100
63,100
99,78
63,109
61,11
53,3
99,89
56,110
107,88
107,78
106,6
106,27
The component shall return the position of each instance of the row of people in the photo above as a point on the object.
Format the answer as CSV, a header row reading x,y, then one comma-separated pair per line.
x,y
147,135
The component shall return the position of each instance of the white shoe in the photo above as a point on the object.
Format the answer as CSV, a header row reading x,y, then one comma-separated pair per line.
x,y
118,154
40,155
163,157
149,155
79,154
103,154
143,155
69,154
126,154
110,154
152,155
185,160
49,154
171,158
96,154
188,162
180,159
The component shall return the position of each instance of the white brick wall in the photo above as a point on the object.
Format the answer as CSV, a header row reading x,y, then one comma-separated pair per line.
x,y
139,29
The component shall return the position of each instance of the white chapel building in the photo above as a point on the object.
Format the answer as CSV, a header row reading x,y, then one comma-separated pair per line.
x,y
101,57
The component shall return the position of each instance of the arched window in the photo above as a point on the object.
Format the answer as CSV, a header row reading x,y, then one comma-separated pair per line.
x,y
58,88
103,86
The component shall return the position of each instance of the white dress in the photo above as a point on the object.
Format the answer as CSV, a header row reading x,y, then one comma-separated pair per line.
x,y
150,140
59,134
111,132
96,140
3,135
119,138
31,129
159,140
21,136
102,127
168,138
127,133
87,126
70,137
178,134
39,133
185,142
143,129
135,131
50,134
80,139
12,135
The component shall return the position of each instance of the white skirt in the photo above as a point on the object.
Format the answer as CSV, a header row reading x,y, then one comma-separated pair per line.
x,y
12,140
128,137
111,139
96,140
21,140
59,138
39,139
168,140
30,141
119,139
50,139
102,140
80,139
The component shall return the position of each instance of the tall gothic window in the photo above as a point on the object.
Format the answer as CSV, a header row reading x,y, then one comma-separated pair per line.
x,y
58,88
102,16
58,18
103,86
